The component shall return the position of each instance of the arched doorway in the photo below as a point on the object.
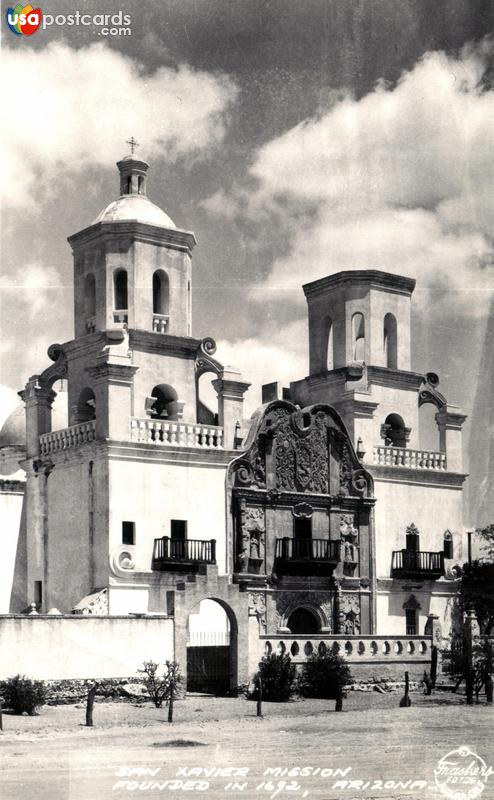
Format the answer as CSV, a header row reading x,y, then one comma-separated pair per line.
x,y
212,635
303,621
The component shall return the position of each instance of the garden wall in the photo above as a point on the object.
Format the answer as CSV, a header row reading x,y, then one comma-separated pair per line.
x,y
60,647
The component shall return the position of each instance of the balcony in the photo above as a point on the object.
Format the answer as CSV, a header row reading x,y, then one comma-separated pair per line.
x,y
176,434
182,556
410,459
417,564
160,323
306,556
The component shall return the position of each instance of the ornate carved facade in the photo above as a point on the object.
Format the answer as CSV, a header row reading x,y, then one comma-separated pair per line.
x,y
301,508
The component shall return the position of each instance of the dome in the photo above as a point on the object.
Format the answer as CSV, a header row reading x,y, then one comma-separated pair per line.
x,y
135,207
13,431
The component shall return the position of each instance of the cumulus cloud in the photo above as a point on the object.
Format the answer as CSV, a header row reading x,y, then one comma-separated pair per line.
x,y
280,356
77,103
400,179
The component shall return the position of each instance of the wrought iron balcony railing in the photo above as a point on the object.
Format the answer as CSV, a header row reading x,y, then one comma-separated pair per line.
x,y
414,563
169,554
307,550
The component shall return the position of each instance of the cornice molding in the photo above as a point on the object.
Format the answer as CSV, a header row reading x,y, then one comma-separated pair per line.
x,y
12,487
273,498
398,378
163,343
371,278
425,477
173,238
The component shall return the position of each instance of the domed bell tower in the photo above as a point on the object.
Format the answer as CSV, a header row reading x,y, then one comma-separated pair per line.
x,y
133,265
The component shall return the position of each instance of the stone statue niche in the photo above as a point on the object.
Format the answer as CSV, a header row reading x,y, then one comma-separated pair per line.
x,y
251,539
349,543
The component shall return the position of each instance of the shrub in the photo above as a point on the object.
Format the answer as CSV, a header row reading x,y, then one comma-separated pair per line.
x,y
278,677
21,694
324,675
160,689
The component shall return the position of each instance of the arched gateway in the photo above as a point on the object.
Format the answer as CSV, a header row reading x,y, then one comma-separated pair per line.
x,y
212,634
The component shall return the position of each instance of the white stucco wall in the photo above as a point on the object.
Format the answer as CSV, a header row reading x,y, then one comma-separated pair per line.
x,y
391,620
82,647
433,509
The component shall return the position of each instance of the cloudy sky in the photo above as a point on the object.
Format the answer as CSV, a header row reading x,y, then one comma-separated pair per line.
x,y
295,138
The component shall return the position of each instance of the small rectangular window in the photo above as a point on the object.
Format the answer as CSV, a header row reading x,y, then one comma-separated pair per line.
x,y
170,604
128,533
178,529
38,593
411,621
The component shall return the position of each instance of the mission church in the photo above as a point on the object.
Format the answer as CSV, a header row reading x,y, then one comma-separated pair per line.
x,y
149,520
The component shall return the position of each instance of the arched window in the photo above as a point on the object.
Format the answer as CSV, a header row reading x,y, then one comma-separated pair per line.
x,y
394,431
358,337
86,406
303,621
140,184
161,293
128,188
448,544
390,342
90,295
120,290
327,358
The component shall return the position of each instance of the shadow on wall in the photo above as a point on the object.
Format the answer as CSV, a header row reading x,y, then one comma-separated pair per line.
x,y
18,596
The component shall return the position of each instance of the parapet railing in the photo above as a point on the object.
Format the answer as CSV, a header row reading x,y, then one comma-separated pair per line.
x,y
176,434
65,438
412,459
160,323
353,648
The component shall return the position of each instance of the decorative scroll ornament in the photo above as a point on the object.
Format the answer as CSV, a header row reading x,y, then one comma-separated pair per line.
x,y
303,511
204,358
57,370
122,559
430,393
297,444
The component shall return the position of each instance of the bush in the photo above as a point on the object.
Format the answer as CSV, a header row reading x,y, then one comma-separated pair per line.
x,y
160,689
21,694
324,675
278,677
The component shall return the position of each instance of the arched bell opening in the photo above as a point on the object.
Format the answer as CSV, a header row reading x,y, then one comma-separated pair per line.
x,y
166,405
86,405
395,432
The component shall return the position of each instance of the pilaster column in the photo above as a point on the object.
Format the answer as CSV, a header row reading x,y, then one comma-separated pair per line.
x,y
39,400
112,380
450,421
231,389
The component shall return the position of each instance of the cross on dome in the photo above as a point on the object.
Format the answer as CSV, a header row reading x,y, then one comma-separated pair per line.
x,y
133,143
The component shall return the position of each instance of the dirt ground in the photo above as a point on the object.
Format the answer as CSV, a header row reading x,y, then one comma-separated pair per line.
x,y
219,749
